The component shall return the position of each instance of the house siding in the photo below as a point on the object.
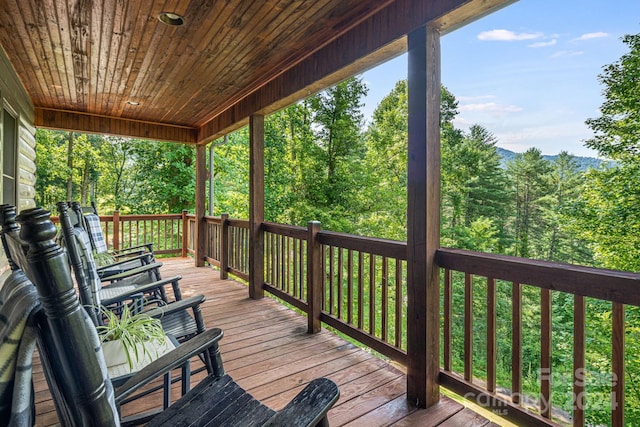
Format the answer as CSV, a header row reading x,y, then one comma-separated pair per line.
x,y
15,99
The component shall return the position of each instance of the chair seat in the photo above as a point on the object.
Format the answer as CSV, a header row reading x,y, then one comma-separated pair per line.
x,y
179,324
216,401
111,292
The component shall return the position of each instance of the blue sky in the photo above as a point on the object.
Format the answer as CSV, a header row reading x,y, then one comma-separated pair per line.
x,y
528,72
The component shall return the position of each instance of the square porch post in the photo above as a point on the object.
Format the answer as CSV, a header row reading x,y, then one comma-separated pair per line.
x,y
256,206
423,217
200,233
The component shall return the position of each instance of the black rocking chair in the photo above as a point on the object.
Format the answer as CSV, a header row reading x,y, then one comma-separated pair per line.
x,y
74,364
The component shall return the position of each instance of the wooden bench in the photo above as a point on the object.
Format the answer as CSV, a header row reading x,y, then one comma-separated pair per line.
x,y
74,364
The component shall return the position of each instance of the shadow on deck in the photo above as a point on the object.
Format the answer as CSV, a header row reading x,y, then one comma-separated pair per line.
x,y
267,351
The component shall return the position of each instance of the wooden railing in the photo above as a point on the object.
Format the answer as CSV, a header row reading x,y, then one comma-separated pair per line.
x,y
363,286
515,276
164,230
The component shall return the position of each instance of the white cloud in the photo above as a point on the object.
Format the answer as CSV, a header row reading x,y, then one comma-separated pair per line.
x,y
562,53
474,98
589,36
544,44
491,107
507,35
550,138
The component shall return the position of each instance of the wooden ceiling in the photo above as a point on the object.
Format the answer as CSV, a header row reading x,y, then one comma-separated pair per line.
x,y
84,62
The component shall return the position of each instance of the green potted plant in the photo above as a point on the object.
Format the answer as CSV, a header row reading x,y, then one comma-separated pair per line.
x,y
131,338
103,258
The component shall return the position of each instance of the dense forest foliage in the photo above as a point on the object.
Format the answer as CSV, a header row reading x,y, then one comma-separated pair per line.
x,y
324,162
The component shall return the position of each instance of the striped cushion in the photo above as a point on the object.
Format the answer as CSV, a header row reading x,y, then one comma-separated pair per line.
x,y
18,332
95,233
88,264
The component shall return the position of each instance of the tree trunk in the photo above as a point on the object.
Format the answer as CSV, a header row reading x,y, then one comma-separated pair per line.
x,y
70,167
85,184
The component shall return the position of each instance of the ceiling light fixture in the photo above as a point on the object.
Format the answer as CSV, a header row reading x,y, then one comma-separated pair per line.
x,y
170,18
134,103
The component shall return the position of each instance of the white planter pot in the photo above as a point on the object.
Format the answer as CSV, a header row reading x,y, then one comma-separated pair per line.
x,y
115,353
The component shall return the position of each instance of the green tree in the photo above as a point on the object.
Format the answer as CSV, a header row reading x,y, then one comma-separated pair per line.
x,y
565,182
289,148
164,178
231,176
528,175
334,161
617,130
116,183
385,201
51,163
606,214
474,191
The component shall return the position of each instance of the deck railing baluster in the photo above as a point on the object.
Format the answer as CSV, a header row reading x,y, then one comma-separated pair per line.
x,y
287,264
516,343
350,286
384,327
331,305
372,294
339,282
468,327
579,316
360,290
116,230
545,353
617,365
399,319
491,335
448,319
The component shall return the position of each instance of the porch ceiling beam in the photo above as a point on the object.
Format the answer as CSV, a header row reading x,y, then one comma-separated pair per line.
x,y
91,123
377,39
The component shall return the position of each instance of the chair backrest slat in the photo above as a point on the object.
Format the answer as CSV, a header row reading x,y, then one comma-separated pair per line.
x,y
14,247
84,288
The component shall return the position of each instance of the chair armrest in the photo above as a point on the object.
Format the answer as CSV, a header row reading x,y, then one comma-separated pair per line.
x,y
141,289
310,406
175,306
169,361
138,248
141,257
134,271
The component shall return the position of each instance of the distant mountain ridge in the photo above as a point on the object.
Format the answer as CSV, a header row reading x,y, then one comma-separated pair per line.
x,y
584,163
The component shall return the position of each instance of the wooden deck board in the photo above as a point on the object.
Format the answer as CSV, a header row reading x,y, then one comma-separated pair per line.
x,y
267,351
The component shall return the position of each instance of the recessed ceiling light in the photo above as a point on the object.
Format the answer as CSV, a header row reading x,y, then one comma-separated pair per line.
x,y
133,103
171,18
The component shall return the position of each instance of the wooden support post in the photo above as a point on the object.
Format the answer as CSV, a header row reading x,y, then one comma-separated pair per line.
x,y
423,218
116,230
314,277
224,246
256,206
211,179
200,234
185,233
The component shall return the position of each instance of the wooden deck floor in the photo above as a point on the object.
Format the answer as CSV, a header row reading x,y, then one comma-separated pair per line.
x,y
267,351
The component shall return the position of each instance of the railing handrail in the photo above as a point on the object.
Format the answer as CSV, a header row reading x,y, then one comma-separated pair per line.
x,y
123,230
383,247
609,285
